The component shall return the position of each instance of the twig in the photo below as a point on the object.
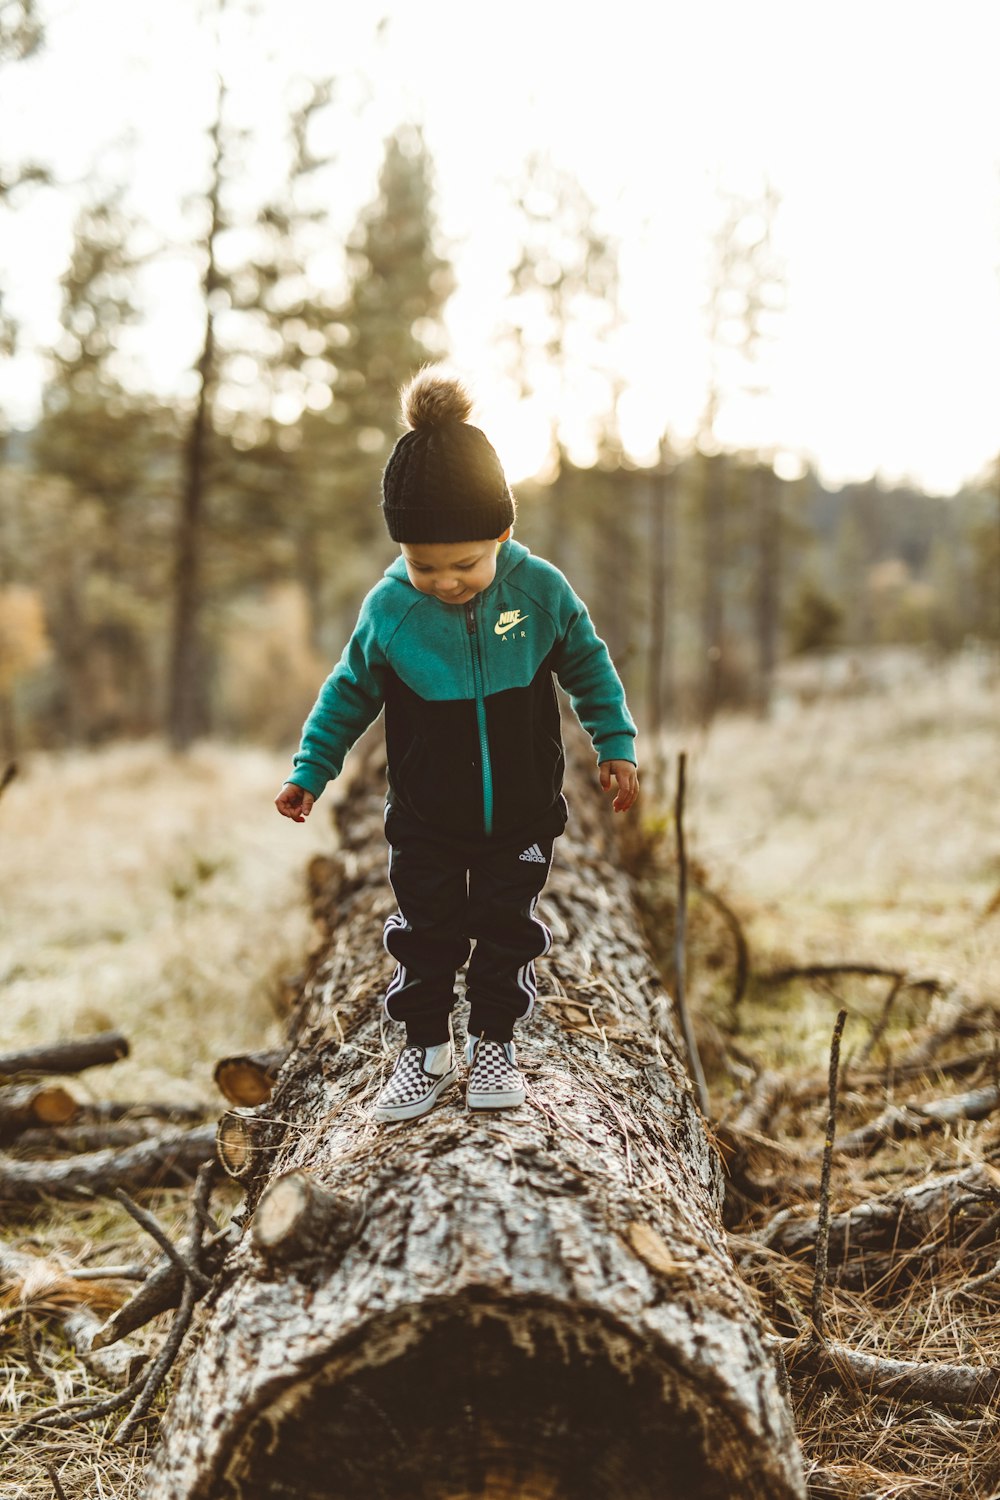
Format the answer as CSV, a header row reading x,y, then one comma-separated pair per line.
x,y
827,971
977,1283
897,1121
71,1413
29,1352
153,1227
157,1373
823,1230
109,1273
680,942
60,1493
899,1379
142,1390
732,921
878,1030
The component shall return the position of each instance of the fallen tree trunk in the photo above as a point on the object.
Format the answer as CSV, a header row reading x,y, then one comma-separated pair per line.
x,y
539,1303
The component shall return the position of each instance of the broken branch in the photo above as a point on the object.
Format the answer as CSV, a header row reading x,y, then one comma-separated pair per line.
x,y
72,1056
169,1154
823,1220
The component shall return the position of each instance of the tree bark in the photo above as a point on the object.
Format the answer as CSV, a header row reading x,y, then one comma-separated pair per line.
x,y
186,688
534,1303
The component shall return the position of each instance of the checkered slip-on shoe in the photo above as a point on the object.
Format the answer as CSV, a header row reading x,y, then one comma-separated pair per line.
x,y
494,1079
411,1090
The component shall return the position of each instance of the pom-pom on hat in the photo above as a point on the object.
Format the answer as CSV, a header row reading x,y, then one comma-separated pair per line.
x,y
443,481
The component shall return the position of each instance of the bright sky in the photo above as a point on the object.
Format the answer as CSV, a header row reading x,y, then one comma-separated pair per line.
x,y
877,121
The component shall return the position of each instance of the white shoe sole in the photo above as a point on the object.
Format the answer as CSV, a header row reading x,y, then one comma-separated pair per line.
x,y
416,1107
507,1099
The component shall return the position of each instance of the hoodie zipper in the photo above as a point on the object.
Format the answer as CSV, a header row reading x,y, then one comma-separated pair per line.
x,y
480,691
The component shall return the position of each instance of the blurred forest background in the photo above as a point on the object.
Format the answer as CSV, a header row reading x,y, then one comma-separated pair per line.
x,y
192,567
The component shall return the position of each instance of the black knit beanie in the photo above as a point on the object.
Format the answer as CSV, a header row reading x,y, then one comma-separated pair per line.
x,y
443,481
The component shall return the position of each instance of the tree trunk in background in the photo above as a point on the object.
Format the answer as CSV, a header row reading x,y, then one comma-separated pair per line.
x,y
186,713
611,558
767,584
713,559
661,689
996,602
557,535
69,630
538,1303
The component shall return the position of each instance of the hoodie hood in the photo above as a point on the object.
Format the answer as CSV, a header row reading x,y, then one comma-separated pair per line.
x,y
510,555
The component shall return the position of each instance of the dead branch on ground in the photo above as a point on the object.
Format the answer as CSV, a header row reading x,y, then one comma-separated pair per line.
x,y
73,1056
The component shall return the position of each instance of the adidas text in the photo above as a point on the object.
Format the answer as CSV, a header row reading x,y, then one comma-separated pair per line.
x,y
534,855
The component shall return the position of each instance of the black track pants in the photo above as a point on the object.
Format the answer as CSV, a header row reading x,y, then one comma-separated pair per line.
x,y
450,894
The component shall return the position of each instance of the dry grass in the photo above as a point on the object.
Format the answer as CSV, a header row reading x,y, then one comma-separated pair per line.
x,y
865,830
159,895
162,896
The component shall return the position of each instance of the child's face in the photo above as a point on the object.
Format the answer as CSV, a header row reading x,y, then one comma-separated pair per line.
x,y
453,572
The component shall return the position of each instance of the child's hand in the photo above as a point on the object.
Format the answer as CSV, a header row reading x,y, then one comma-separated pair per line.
x,y
294,802
627,777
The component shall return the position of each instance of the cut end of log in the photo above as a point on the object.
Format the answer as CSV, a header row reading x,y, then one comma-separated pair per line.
x,y
242,1083
524,1404
54,1106
234,1145
296,1217
247,1080
27,1104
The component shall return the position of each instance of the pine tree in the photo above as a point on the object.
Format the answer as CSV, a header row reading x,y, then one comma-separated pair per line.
x,y
341,361
21,36
83,433
746,289
21,30
100,441
565,280
391,324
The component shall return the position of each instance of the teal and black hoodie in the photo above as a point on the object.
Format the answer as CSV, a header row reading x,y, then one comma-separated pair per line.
x,y
471,716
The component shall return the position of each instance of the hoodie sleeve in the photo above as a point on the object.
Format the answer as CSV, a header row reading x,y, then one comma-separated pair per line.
x,y
349,700
584,668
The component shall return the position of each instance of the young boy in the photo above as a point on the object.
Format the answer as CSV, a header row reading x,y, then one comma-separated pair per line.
x,y
459,642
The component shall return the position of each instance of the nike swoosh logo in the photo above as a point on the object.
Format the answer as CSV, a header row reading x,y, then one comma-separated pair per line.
x,y
511,624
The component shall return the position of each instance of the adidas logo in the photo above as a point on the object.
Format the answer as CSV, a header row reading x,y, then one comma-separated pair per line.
x,y
508,619
534,855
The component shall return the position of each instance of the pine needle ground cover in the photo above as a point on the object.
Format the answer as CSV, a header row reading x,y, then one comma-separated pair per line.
x,y
847,856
